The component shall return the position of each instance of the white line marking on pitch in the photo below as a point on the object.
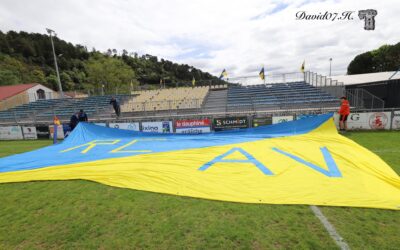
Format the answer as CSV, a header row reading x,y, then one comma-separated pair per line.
x,y
386,151
330,228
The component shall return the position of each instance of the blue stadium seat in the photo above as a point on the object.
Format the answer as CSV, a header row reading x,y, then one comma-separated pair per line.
x,y
277,94
60,107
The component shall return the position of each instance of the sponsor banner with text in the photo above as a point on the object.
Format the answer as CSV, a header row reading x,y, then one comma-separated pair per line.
x,y
230,123
29,133
11,133
262,121
193,126
372,120
157,127
280,119
396,120
134,126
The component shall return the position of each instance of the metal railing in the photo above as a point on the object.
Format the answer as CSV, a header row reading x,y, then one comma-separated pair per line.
x,y
325,83
166,105
270,78
358,98
362,99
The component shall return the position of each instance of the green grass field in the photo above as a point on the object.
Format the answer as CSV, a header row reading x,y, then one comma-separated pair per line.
x,y
83,214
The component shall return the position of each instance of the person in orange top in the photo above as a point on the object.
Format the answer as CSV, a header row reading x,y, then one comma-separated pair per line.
x,y
56,121
344,112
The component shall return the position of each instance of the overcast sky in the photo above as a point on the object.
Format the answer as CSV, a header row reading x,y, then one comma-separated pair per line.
x,y
239,35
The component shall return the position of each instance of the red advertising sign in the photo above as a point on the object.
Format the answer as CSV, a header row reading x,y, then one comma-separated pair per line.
x,y
192,123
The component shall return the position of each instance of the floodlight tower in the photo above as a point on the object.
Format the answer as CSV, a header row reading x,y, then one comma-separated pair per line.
x,y
330,66
51,33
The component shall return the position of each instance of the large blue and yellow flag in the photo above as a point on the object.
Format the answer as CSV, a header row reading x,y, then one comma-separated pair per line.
x,y
299,162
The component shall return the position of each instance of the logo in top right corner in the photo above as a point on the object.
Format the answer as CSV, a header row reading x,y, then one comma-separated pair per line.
x,y
369,18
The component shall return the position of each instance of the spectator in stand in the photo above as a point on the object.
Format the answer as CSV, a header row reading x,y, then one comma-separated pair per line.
x,y
344,112
116,106
73,121
82,116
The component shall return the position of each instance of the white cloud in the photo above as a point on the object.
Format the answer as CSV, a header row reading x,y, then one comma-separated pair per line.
x,y
240,36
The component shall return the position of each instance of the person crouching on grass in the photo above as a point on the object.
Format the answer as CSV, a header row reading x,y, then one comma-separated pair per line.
x,y
344,112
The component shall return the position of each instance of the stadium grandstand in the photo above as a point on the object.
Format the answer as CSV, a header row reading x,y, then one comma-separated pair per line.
x,y
292,92
166,99
278,96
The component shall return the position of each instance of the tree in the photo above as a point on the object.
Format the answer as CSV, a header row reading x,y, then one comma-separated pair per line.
x,y
15,72
385,58
51,82
7,77
28,57
111,72
66,81
38,76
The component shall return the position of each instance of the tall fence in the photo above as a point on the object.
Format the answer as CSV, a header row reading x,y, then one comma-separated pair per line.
x,y
358,98
328,85
362,98
269,78
166,105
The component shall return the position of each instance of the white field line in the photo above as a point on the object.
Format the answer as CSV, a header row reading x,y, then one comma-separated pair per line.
x,y
330,228
386,150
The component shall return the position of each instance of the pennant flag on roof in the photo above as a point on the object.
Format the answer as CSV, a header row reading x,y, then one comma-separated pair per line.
x,y
262,74
223,74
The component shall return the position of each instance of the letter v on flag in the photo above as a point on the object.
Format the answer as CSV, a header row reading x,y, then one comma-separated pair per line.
x,y
333,170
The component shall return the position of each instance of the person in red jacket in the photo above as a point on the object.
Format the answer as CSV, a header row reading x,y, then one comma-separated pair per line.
x,y
344,113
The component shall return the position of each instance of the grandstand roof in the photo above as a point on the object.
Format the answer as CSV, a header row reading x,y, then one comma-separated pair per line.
x,y
11,90
366,78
